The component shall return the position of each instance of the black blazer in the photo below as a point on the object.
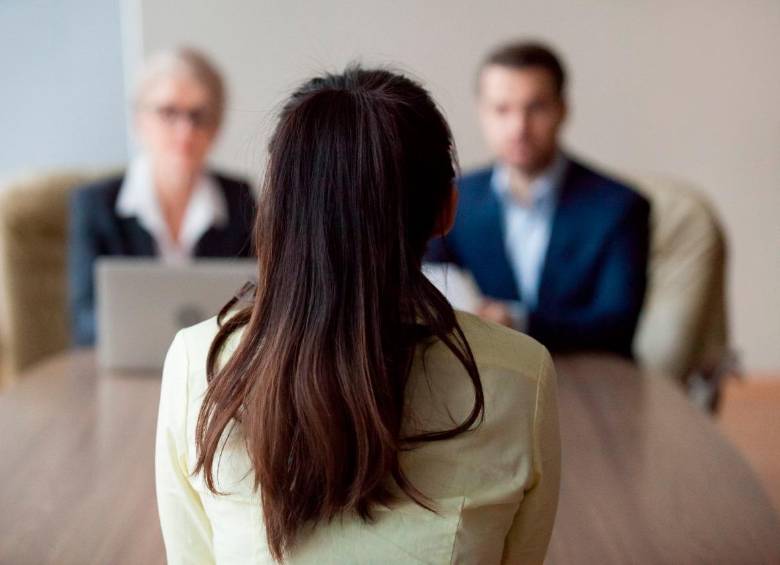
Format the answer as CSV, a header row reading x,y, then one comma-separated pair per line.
x,y
96,230
595,271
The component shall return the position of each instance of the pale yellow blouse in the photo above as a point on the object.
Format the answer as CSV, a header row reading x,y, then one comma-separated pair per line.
x,y
495,488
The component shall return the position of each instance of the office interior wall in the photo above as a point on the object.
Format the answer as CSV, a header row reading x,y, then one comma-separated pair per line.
x,y
686,89
62,89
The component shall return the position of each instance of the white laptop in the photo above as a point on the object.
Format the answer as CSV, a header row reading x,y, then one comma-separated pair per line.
x,y
142,303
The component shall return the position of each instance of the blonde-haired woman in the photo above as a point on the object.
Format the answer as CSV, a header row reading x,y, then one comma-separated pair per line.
x,y
166,204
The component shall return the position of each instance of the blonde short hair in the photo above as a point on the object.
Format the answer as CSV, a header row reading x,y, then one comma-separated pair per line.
x,y
190,62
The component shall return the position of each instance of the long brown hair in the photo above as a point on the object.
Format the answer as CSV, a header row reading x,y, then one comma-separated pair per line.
x,y
361,166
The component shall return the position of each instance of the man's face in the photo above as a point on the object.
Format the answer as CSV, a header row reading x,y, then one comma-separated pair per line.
x,y
521,114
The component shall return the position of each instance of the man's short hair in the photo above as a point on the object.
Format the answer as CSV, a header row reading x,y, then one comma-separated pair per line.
x,y
524,54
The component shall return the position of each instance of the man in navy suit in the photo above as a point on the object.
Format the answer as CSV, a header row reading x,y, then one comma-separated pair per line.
x,y
557,249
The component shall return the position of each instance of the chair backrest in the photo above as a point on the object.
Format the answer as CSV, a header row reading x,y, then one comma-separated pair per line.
x,y
683,329
34,318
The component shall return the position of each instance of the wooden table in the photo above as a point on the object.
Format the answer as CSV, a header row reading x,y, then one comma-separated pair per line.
x,y
77,467
646,477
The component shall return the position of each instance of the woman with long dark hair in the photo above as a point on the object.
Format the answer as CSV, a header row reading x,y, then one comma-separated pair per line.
x,y
341,411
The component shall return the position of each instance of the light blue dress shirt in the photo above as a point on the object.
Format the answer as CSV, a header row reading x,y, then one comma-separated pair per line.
x,y
527,226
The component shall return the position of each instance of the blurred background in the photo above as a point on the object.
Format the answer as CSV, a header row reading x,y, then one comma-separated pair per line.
x,y
687,90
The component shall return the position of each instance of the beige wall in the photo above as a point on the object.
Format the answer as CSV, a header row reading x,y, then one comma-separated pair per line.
x,y
689,89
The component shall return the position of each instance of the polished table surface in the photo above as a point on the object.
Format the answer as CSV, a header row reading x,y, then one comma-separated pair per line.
x,y
646,477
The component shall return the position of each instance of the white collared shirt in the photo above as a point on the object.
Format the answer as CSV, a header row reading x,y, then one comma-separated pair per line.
x,y
206,208
527,227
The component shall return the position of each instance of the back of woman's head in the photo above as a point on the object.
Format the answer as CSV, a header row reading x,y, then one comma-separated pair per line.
x,y
363,158
359,177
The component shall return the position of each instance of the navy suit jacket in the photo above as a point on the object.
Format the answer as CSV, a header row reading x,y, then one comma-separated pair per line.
x,y
594,274
96,230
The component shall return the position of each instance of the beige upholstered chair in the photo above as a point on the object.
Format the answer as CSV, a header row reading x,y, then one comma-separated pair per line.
x,y
683,330
34,320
